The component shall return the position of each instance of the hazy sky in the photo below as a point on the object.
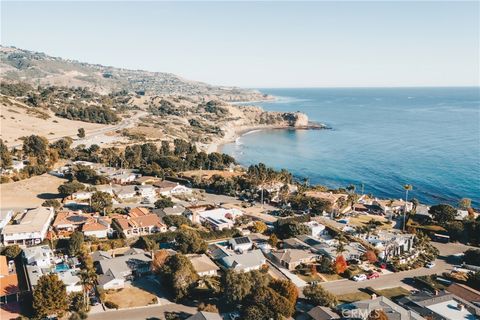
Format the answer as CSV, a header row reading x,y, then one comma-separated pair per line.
x,y
261,44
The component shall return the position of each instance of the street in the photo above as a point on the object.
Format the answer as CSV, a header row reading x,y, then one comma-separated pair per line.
x,y
150,312
443,263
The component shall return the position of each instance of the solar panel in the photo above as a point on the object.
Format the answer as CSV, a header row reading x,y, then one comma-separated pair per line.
x,y
77,219
242,240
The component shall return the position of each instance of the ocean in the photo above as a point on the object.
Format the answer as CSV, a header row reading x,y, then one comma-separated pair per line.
x,y
382,138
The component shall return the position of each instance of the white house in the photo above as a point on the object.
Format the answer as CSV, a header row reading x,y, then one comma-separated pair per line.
x,y
241,244
41,256
168,188
5,217
148,191
220,218
30,229
71,280
317,228
125,192
81,195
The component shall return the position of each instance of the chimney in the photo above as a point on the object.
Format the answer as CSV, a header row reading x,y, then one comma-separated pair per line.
x,y
435,292
374,296
460,306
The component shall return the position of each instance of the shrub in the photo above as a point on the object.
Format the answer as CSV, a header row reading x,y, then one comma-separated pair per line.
x,y
111,305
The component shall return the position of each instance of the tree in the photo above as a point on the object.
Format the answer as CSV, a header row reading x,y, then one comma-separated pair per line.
x,y
286,289
340,264
236,286
443,213
291,229
69,188
159,259
36,146
472,256
176,221
164,202
75,243
325,265
273,240
318,296
189,241
5,156
207,307
179,275
465,203
87,278
12,251
259,227
101,201
52,203
50,296
407,187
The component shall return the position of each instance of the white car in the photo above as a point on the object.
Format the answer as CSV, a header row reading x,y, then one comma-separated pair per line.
x,y
360,277
430,265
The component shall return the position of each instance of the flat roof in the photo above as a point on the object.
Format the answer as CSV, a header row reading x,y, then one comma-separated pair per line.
x,y
32,221
449,310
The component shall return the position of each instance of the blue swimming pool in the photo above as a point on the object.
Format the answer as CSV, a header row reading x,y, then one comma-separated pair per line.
x,y
61,267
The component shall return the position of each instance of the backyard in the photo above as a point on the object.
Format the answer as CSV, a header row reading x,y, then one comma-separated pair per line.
x,y
130,297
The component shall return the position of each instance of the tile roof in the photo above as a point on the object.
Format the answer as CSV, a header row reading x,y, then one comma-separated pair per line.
x,y
139,211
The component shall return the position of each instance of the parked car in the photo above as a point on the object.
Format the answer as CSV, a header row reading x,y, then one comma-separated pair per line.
x,y
94,301
373,275
234,315
430,265
359,277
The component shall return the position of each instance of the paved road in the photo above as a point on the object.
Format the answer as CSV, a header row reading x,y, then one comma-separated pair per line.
x,y
150,312
443,263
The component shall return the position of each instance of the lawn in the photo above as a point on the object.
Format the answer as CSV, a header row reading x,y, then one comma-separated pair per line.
x,y
352,297
310,277
130,297
362,220
393,292
331,277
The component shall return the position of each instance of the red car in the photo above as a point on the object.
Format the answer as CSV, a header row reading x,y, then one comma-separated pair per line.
x,y
373,275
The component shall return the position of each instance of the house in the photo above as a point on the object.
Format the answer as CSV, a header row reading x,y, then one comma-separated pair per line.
x,y
251,260
30,228
100,255
146,191
41,256
203,265
169,188
139,212
241,244
392,206
71,280
423,210
107,188
391,244
292,258
130,226
322,313
440,306
203,315
5,217
337,201
176,210
115,271
362,309
220,218
353,250
125,192
67,222
317,228
9,288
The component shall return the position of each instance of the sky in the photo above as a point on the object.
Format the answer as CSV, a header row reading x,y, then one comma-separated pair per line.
x,y
261,44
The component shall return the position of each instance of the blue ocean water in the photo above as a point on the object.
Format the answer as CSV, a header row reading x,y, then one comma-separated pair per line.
x,y
381,137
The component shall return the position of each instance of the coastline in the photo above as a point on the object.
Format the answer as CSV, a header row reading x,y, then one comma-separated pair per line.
x,y
235,132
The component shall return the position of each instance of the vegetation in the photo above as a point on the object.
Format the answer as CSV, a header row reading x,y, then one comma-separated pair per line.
x,y
101,202
12,251
69,188
164,202
50,296
189,241
75,243
176,221
95,114
179,275
318,296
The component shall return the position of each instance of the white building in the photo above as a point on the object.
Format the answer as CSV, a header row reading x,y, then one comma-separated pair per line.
x,y
41,256
5,217
317,229
241,244
169,188
30,229
252,260
220,218
71,280
146,191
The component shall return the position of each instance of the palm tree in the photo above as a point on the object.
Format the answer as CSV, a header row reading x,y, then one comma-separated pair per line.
x,y
340,247
88,279
351,188
407,187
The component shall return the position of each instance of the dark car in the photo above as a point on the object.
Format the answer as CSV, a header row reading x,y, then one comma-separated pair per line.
x,y
94,301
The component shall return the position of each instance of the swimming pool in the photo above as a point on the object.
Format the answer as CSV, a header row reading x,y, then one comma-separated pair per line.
x,y
61,267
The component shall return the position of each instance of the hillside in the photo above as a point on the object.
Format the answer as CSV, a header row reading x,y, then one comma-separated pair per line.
x,y
17,65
